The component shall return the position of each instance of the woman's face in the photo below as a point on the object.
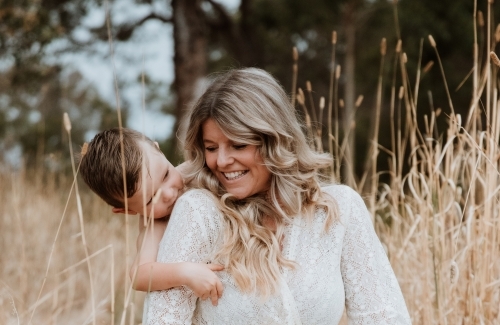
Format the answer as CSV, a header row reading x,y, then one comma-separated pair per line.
x,y
238,167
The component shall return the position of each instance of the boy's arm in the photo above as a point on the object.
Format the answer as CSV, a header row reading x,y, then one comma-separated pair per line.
x,y
153,276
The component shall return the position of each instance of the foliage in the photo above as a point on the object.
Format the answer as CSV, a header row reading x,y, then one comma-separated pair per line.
x,y
33,93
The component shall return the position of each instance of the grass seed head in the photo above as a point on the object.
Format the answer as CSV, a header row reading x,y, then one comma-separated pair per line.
x,y
84,149
401,92
399,46
156,198
300,96
67,122
494,58
322,102
497,33
359,101
428,66
480,18
383,46
432,41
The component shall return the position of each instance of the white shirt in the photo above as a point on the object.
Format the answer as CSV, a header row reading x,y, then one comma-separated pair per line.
x,y
346,266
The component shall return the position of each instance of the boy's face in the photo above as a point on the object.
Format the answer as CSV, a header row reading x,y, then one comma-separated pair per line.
x,y
157,173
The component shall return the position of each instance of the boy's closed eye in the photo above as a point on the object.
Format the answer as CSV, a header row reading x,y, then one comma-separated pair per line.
x,y
158,192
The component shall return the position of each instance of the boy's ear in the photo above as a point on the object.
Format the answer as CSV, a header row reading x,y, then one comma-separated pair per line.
x,y
122,211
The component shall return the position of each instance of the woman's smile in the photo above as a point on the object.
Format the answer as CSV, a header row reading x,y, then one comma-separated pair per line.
x,y
235,175
238,167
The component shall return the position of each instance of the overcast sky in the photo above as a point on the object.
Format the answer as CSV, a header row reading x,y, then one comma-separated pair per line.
x,y
151,45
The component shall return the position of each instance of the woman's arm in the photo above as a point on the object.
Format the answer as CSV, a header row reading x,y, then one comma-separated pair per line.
x,y
373,295
190,237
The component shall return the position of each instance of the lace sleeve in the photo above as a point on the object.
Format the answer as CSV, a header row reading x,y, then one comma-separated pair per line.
x,y
190,236
373,295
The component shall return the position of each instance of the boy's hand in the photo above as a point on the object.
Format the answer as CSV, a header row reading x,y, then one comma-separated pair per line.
x,y
203,281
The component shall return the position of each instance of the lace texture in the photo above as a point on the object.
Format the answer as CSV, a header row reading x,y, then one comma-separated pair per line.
x,y
346,267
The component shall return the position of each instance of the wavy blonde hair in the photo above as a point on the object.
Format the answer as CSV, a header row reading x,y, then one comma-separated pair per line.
x,y
251,107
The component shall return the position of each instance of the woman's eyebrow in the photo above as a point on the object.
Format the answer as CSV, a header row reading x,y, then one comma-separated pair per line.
x,y
208,140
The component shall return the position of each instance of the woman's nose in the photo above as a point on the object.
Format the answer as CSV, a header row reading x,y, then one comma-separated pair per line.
x,y
224,158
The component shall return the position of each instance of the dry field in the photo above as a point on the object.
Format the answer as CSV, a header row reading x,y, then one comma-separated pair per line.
x,y
46,277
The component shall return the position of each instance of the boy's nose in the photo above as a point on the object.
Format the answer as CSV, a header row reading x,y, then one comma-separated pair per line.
x,y
167,193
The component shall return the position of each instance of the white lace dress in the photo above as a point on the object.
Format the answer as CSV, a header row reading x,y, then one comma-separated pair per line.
x,y
346,266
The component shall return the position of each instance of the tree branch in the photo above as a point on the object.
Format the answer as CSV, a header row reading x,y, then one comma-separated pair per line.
x,y
225,21
125,31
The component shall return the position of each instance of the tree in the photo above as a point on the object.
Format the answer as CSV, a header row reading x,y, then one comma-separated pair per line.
x,y
34,94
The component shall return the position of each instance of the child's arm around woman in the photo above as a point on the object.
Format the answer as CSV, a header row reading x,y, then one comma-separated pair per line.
x,y
148,275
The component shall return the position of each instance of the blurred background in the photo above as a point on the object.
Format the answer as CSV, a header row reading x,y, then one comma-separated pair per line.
x,y
56,56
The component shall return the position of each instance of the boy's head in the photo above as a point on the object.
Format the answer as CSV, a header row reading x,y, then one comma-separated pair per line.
x,y
101,168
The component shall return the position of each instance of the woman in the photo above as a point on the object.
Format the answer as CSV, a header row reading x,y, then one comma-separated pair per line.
x,y
294,252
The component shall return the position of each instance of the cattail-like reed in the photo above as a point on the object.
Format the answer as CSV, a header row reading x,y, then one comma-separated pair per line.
x,y
383,46
85,147
428,67
311,101
480,18
359,101
432,41
494,58
295,69
66,122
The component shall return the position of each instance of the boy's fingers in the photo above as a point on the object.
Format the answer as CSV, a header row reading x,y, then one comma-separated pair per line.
x,y
220,288
215,267
214,297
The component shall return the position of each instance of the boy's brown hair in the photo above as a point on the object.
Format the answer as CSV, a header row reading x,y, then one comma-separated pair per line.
x,y
101,164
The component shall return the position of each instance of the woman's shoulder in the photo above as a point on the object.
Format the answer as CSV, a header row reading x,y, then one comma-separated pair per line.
x,y
345,197
198,196
341,193
198,203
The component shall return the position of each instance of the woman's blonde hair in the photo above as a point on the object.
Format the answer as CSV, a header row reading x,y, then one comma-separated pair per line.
x,y
251,107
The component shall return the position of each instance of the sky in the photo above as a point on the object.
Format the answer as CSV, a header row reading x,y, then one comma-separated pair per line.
x,y
151,44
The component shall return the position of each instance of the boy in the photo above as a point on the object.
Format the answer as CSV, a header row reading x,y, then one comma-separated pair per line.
x,y
153,185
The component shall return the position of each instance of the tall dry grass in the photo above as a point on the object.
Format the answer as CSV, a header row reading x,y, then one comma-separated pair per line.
x,y
35,227
438,216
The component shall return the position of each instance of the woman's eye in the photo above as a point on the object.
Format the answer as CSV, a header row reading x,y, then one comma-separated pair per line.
x,y
210,149
239,146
